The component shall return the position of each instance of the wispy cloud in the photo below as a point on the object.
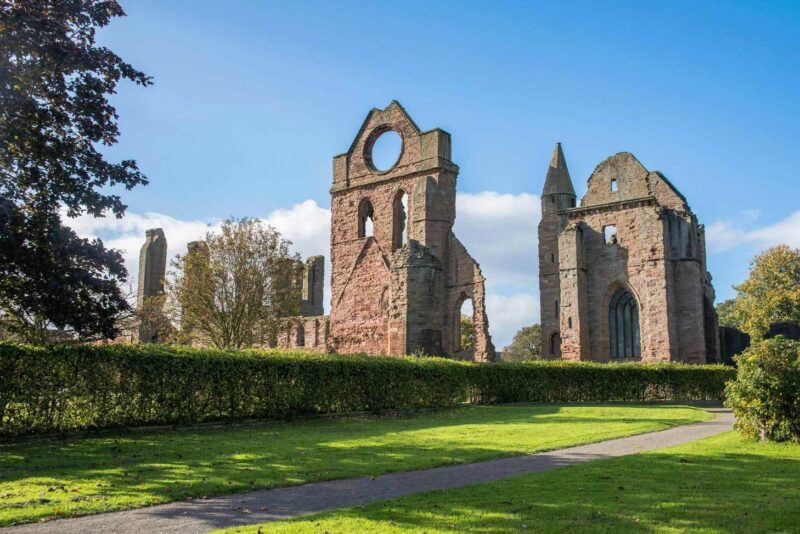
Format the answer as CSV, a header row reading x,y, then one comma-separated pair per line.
x,y
725,235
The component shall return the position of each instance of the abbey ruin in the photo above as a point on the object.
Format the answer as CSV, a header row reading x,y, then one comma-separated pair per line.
x,y
622,275
399,276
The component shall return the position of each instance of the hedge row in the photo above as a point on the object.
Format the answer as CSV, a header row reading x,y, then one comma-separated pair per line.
x,y
62,389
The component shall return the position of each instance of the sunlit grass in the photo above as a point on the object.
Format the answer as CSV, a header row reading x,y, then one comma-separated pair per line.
x,y
720,484
47,479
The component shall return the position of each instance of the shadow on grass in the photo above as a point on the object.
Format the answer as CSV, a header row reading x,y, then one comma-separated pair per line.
x,y
723,491
57,478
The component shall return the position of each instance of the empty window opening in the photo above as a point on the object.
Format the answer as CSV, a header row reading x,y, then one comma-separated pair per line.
x,y
300,339
614,185
552,258
365,219
569,322
401,220
386,150
623,325
555,344
572,203
465,330
610,234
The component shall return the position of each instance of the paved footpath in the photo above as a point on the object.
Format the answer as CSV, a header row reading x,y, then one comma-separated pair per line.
x,y
202,515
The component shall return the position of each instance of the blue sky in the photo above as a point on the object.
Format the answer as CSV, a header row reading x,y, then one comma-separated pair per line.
x,y
252,99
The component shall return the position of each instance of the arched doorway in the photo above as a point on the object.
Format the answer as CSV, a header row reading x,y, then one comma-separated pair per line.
x,y
465,326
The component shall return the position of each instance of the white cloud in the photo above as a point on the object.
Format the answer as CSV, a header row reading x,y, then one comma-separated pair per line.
x,y
499,230
509,313
725,235
306,225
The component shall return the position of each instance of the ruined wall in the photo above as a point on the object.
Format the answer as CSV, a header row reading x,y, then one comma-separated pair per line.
x,y
635,261
389,297
633,230
306,333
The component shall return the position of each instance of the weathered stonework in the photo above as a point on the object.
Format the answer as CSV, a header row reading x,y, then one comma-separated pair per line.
x,y
399,275
309,330
633,234
152,272
400,289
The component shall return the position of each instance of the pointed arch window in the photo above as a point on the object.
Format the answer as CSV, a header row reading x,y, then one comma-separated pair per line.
x,y
365,218
400,229
623,325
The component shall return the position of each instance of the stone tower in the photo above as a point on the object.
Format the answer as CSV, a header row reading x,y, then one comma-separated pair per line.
x,y
623,277
399,274
558,195
152,272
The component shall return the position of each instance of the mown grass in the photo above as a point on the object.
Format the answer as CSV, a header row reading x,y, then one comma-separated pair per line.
x,y
720,484
48,479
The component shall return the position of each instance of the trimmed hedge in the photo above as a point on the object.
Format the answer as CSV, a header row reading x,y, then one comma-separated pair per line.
x,y
67,388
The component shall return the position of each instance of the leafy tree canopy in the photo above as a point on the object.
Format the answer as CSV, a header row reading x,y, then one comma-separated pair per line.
x,y
54,118
771,292
526,345
725,314
233,288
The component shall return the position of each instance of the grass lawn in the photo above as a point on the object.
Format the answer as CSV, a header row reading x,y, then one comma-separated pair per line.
x,y
54,478
719,484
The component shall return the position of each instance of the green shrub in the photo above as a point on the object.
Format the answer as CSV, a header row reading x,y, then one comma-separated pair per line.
x,y
765,397
66,388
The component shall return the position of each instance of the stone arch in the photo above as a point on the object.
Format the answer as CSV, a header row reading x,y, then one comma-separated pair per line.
x,y
457,330
366,218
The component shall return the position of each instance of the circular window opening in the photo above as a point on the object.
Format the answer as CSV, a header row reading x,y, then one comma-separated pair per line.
x,y
386,150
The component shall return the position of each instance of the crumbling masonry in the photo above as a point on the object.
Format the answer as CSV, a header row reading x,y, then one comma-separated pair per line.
x,y
623,276
399,274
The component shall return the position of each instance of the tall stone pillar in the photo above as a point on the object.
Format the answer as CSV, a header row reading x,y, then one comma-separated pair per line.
x,y
152,272
312,303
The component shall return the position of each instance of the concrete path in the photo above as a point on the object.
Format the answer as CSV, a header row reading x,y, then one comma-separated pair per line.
x,y
202,515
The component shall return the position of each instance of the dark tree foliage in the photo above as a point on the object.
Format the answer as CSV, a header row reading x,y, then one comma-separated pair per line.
x,y
526,345
54,118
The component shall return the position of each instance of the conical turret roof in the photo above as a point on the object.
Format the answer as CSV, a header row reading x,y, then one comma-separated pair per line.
x,y
558,180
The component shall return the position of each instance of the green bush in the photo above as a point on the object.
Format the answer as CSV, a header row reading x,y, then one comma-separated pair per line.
x,y
66,388
765,397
